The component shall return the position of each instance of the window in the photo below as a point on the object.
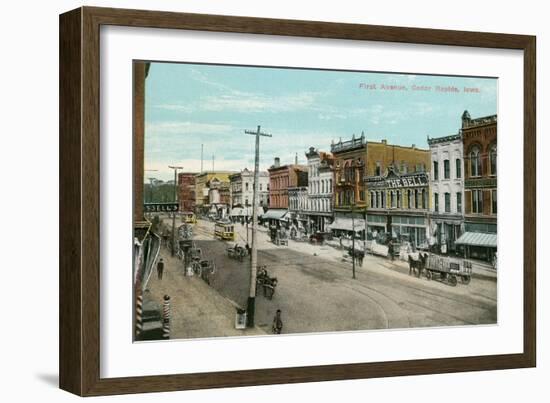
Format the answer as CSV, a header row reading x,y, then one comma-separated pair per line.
x,y
412,200
424,201
383,199
392,199
447,169
459,202
260,187
361,195
475,162
493,159
436,202
377,199
494,201
458,168
372,199
447,202
417,196
378,170
404,168
436,171
477,201
246,186
398,199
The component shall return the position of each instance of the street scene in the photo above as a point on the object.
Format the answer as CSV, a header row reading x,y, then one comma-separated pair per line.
x,y
311,226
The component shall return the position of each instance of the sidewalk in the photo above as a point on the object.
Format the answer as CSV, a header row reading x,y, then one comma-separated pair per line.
x,y
197,310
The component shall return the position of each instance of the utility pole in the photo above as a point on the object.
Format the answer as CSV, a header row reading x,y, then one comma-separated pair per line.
x,y
246,215
353,241
175,168
254,253
202,154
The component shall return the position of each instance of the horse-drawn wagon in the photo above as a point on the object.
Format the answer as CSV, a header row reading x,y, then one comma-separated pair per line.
x,y
237,252
449,269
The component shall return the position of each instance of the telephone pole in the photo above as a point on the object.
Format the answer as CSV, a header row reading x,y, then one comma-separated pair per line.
x,y
175,168
353,240
254,253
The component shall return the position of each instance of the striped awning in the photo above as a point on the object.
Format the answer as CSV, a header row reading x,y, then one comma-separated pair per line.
x,y
276,214
478,239
346,224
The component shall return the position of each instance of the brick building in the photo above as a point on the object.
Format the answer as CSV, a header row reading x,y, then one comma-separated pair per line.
x,y
397,183
186,188
399,204
281,178
480,186
349,187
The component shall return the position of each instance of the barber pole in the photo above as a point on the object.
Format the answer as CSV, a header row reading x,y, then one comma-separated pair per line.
x,y
166,318
139,313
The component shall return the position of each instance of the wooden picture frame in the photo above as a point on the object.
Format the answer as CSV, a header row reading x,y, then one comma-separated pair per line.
x,y
80,197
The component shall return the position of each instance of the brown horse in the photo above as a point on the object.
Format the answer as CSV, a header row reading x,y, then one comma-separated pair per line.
x,y
417,266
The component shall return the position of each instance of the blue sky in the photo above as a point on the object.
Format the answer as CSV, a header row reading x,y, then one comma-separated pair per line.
x,y
187,105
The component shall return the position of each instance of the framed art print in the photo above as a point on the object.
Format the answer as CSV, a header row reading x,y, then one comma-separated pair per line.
x,y
251,201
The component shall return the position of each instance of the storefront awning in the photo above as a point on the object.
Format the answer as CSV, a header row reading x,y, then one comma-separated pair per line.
x,y
346,224
277,214
478,239
241,211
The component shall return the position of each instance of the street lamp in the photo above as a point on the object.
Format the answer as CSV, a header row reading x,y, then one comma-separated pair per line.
x,y
175,168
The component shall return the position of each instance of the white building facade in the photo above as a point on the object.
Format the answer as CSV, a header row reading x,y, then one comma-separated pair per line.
x,y
319,208
447,192
242,188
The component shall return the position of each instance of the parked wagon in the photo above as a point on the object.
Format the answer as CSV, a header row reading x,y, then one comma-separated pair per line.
x,y
449,269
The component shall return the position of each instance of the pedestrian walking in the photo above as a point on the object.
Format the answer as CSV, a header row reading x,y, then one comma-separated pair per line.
x,y
390,250
160,268
360,257
277,323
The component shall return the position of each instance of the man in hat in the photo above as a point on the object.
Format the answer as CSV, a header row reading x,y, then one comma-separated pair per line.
x,y
160,268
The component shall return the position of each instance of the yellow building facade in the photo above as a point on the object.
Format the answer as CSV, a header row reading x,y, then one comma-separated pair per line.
x,y
202,181
397,191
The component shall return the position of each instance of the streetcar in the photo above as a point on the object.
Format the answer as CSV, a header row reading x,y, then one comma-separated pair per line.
x,y
188,217
224,231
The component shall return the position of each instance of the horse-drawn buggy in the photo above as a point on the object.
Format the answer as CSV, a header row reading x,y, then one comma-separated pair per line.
x,y
203,268
447,268
267,283
237,252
